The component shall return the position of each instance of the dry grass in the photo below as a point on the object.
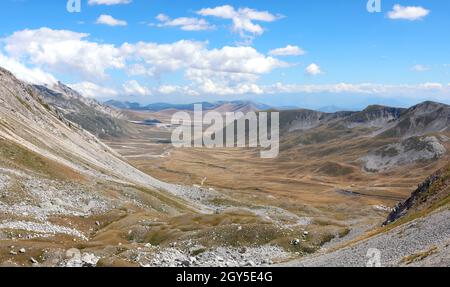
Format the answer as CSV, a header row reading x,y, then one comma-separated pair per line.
x,y
15,156
417,257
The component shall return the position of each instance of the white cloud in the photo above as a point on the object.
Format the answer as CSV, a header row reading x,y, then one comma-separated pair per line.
x,y
229,70
91,90
209,87
242,18
138,69
67,52
177,90
185,23
64,51
218,71
167,89
108,2
411,13
223,83
313,70
289,50
419,68
364,88
133,88
431,86
29,75
110,21
162,58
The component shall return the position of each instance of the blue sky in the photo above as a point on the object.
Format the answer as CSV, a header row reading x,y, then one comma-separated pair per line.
x,y
304,53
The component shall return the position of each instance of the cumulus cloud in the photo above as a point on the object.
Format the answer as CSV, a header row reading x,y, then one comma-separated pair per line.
x,y
289,50
110,21
167,89
64,51
29,75
156,59
313,70
184,23
223,83
411,13
108,2
91,90
229,70
243,18
133,88
226,70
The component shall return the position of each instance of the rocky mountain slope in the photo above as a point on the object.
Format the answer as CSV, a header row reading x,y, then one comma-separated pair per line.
x,y
61,186
427,117
416,233
99,119
384,138
433,193
67,199
374,116
28,121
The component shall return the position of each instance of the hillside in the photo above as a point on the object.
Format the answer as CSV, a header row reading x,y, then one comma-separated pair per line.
x,y
383,138
60,187
63,192
98,119
334,168
427,117
433,193
416,233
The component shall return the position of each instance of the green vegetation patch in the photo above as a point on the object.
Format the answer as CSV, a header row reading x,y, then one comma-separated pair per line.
x,y
14,155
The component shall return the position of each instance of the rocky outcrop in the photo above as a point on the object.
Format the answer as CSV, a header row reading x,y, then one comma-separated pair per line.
x,y
304,120
432,190
101,120
374,117
424,118
408,151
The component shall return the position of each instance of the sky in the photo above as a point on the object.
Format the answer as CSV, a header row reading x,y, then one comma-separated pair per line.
x,y
305,53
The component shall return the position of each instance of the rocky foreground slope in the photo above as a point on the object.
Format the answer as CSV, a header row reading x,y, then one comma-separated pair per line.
x,y
416,233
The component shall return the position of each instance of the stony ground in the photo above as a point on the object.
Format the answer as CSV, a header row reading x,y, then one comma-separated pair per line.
x,y
217,257
425,241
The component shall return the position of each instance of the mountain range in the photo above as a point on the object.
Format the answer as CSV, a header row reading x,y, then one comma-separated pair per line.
x,y
64,192
222,106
